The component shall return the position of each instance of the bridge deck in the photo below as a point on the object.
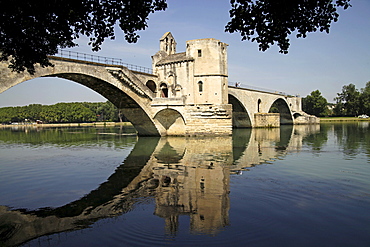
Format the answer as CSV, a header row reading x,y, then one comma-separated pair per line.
x,y
260,90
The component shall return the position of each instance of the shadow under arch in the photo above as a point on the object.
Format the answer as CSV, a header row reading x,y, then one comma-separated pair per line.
x,y
240,118
296,115
281,106
130,108
172,121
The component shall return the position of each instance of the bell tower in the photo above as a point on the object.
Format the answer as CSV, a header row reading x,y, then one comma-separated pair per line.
x,y
167,44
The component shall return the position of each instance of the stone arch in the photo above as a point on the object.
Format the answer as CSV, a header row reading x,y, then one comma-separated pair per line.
x,y
125,95
296,115
240,118
172,121
151,85
281,106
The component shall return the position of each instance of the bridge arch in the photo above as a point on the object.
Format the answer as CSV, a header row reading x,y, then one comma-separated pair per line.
x,y
115,84
281,106
296,115
240,115
172,121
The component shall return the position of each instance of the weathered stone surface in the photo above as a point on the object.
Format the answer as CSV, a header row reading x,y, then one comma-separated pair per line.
x,y
269,120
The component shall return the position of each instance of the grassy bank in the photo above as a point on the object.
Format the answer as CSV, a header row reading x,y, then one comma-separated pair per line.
x,y
69,124
342,119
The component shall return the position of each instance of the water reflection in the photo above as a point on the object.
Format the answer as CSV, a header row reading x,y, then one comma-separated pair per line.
x,y
353,138
184,176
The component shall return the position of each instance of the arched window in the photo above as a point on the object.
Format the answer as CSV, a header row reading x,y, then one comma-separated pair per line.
x,y
151,85
200,86
164,90
259,105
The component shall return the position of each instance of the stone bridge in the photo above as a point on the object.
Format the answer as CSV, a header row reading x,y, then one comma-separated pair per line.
x,y
187,94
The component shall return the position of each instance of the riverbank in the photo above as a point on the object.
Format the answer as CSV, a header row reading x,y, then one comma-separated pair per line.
x,y
322,119
67,124
342,119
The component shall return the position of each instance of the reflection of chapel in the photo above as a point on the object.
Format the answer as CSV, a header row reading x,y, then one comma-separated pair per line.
x,y
196,76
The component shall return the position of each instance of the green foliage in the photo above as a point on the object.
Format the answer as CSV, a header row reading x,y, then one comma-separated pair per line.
x,y
317,140
315,104
348,101
62,113
270,21
33,29
274,109
365,99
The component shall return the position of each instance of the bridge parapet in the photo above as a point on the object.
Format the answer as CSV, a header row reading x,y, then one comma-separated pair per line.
x,y
101,60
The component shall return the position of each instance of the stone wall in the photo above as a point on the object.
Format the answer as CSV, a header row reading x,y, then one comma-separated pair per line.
x,y
307,119
266,120
208,120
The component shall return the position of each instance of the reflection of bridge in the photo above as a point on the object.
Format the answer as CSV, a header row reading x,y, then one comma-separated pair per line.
x,y
186,176
186,94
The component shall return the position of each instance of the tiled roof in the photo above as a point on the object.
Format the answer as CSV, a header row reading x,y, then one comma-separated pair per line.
x,y
175,58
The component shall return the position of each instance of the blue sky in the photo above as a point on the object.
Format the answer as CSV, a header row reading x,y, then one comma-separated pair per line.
x,y
321,61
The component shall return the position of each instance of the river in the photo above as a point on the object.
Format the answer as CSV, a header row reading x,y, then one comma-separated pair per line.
x,y
104,186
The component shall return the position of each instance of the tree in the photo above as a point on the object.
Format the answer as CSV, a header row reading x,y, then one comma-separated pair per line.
x,y
348,101
33,29
365,99
315,104
270,21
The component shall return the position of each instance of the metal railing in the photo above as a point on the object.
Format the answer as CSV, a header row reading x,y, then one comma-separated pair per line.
x,y
100,59
241,85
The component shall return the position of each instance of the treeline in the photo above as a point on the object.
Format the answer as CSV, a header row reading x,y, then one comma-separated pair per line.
x,y
350,102
79,112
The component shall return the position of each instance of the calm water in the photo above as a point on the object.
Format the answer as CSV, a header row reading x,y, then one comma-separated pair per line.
x,y
294,186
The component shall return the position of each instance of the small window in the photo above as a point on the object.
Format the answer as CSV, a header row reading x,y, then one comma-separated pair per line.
x,y
259,105
200,86
164,90
199,53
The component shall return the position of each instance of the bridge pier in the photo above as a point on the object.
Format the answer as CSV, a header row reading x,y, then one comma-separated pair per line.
x,y
193,120
266,120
